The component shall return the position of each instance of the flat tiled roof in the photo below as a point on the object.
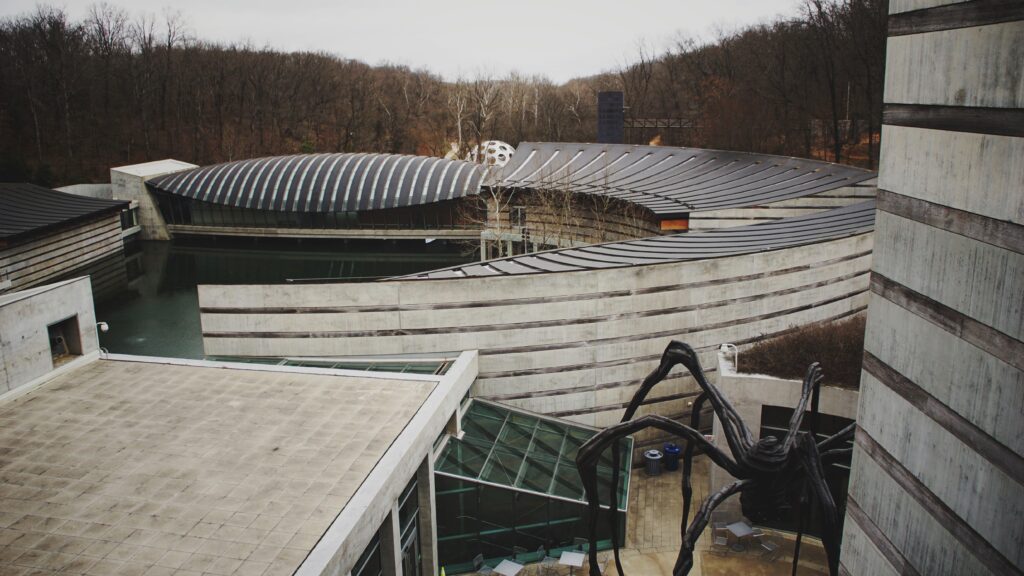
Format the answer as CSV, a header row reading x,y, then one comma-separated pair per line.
x,y
144,468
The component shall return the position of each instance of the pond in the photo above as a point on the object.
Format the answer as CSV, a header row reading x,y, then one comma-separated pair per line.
x,y
158,313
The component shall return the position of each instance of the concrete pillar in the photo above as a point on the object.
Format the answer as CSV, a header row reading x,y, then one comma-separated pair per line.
x,y
129,183
454,426
428,515
391,543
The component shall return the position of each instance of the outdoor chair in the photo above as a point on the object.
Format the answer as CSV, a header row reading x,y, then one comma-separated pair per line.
x,y
549,566
719,545
480,568
769,550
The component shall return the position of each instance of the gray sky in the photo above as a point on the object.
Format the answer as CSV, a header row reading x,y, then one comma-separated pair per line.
x,y
557,38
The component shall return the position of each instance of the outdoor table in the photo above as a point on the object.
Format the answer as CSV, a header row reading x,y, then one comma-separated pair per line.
x,y
508,568
572,559
740,530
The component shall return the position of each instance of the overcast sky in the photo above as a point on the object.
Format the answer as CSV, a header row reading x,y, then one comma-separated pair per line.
x,y
556,38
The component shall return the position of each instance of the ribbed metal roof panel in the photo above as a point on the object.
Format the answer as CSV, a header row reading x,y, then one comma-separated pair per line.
x,y
26,209
819,227
326,182
670,180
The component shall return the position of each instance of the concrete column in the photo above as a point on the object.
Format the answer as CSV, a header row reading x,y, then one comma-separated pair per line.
x,y
428,515
129,183
454,426
391,543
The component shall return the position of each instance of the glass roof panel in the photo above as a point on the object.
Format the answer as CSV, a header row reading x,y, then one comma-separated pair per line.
x,y
527,452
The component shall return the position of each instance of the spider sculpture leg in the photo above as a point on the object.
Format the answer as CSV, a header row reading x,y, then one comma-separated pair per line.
x,y
590,453
811,460
684,562
736,432
812,382
698,405
838,438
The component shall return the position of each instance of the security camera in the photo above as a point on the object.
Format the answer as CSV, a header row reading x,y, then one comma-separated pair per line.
x,y
103,326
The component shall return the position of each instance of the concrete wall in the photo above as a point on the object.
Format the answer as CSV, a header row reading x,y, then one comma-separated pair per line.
x,y
937,484
104,191
24,318
749,392
92,247
572,344
129,183
374,503
805,206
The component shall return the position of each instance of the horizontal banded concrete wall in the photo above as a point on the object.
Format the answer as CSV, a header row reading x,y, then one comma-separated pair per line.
x,y
807,205
572,344
937,484
93,247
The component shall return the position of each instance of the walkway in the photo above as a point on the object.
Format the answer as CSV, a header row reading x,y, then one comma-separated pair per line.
x,y
653,538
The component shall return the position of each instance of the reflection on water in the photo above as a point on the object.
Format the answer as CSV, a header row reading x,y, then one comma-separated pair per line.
x,y
159,314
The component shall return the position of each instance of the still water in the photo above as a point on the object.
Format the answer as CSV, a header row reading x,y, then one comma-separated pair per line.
x,y
158,314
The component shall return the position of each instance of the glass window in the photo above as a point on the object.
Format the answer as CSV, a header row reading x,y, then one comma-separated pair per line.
x,y
370,562
775,422
511,484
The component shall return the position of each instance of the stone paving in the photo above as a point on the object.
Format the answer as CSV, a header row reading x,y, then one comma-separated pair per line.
x,y
140,469
653,535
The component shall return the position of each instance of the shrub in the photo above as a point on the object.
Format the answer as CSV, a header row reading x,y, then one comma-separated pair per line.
x,y
837,346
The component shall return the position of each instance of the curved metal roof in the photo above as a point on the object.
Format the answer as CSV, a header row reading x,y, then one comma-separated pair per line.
x,y
826,225
326,182
670,180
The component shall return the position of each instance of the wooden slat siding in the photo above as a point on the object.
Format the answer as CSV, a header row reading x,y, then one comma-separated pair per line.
x,y
1000,233
47,258
97,250
68,233
944,516
47,248
538,324
879,539
992,341
953,16
535,300
964,430
63,272
48,253
976,120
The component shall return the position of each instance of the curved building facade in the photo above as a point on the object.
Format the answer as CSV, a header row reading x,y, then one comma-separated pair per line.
x,y
570,333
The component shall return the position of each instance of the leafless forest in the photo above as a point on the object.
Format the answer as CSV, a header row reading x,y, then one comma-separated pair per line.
x,y
77,97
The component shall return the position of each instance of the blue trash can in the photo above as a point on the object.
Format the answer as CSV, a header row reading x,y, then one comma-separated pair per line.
x,y
652,462
672,453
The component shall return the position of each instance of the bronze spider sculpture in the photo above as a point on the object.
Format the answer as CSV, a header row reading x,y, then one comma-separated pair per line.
x,y
774,475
